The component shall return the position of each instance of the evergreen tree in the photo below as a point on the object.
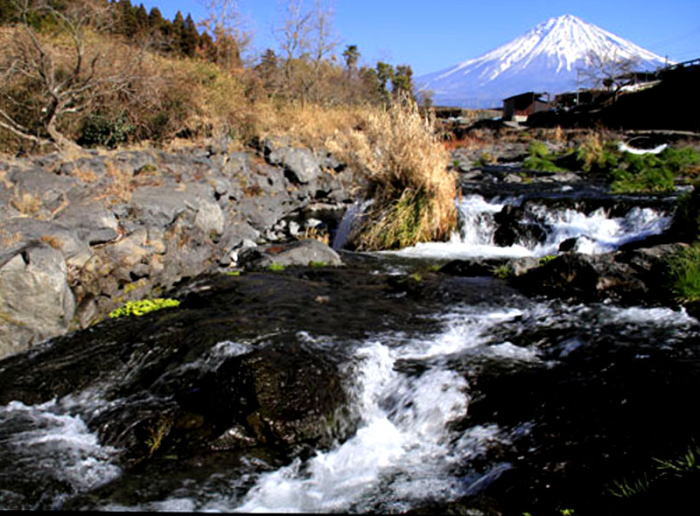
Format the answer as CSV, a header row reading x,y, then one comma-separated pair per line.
x,y
352,56
402,82
206,48
268,70
7,11
127,23
189,37
385,73
142,21
156,20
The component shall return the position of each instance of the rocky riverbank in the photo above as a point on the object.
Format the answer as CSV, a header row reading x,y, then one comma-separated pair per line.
x,y
80,236
550,377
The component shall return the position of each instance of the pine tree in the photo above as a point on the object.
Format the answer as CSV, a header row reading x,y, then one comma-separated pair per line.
x,y
189,37
352,56
155,19
268,70
177,28
7,11
385,73
402,82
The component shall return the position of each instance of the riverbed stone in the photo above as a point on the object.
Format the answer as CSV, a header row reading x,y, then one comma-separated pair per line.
x,y
36,301
633,277
300,165
303,252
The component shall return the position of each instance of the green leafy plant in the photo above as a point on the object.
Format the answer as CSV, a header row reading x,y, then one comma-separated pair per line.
x,y
417,277
684,268
642,173
318,265
486,159
503,271
156,435
541,158
233,273
628,488
541,164
680,467
546,259
687,463
138,308
276,267
104,130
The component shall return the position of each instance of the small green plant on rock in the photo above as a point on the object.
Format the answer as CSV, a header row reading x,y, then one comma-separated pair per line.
x,y
156,435
503,271
417,277
143,307
318,264
275,267
541,159
486,159
679,468
546,259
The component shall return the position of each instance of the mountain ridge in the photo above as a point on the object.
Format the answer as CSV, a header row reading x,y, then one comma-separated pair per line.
x,y
546,58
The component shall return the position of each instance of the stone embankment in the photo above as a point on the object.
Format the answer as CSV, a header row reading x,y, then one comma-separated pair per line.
x,y
80,236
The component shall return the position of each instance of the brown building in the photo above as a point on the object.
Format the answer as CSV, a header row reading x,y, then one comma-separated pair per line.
x,y
519,107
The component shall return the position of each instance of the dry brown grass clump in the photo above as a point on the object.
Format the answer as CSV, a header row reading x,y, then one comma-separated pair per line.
x,y
406,166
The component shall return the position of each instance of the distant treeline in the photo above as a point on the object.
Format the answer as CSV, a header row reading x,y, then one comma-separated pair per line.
x,y
178,36
101,72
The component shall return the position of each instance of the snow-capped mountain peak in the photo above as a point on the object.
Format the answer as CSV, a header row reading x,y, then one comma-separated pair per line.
x,y
546,58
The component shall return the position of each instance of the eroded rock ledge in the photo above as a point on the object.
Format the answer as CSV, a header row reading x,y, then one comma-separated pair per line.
x,y
80,236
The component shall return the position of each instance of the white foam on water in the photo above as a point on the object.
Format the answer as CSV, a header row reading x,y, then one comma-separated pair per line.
x,y
657,316
403,446
475,237
596,232
59,445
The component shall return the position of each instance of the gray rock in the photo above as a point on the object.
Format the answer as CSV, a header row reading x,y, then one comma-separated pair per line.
x,y
21,232
300,165
94,223
36,301
161,205
263,212
49,187
303,252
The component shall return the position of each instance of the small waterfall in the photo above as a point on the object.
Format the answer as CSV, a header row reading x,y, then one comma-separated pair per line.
x,y
477,226
347,223
596,232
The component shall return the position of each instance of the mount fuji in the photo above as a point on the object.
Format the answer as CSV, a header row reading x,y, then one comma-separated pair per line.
x,y
548,58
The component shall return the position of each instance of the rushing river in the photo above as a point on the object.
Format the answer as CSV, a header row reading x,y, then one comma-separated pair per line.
x,y
413,394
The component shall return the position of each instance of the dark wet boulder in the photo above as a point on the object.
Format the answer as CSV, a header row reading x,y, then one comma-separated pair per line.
x,y
515,226
633,276
284,394
686,220
472,267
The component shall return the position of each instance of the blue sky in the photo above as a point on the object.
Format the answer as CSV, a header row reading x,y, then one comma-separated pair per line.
x,y
434,34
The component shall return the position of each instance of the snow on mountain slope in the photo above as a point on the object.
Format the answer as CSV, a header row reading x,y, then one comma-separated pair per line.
x,y
545,59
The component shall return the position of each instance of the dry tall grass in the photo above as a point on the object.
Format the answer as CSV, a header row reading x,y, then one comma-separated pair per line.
x,y
406,167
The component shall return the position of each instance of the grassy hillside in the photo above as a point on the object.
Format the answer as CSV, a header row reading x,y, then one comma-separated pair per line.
x,y
76,74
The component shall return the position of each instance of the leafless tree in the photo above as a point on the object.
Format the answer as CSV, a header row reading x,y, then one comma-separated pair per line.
x,y
54,81
307,41
232,37
607,70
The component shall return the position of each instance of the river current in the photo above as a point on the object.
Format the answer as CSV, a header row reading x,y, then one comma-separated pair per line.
x,y
413,444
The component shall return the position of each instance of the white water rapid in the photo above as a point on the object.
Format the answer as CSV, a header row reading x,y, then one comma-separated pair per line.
x,y
596,232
